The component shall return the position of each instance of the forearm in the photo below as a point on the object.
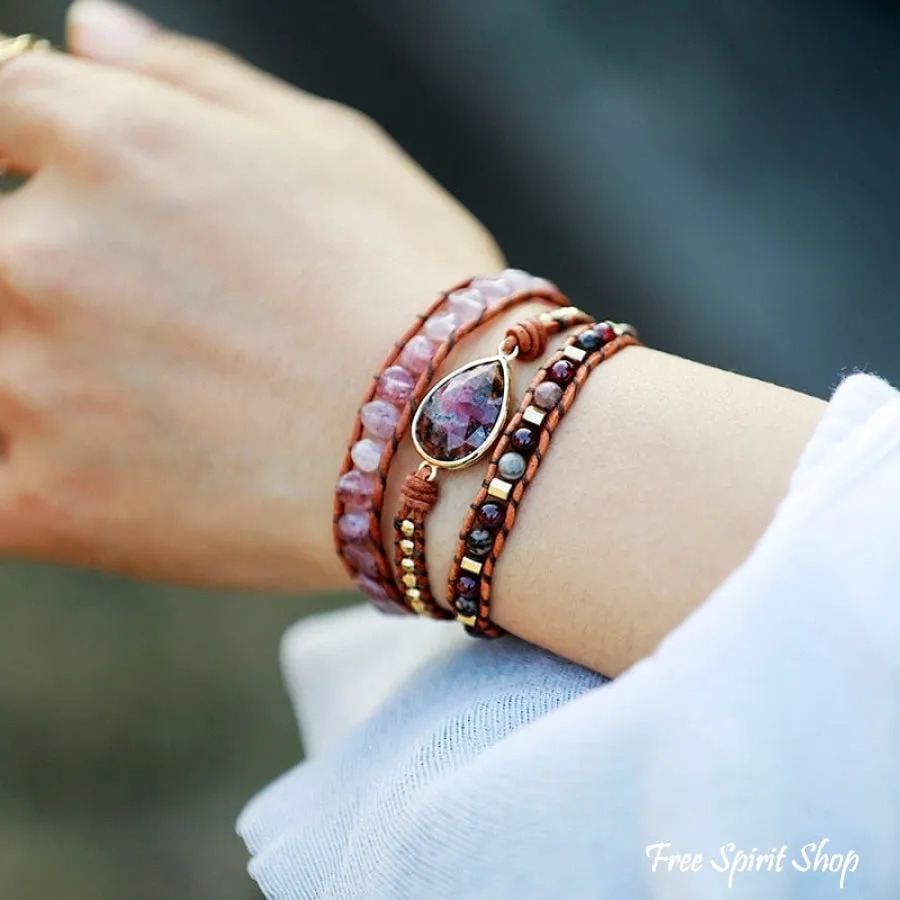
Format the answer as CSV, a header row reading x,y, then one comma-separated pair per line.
x,y
657,485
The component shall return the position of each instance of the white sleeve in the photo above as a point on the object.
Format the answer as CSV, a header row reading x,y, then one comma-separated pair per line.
x,y
768,722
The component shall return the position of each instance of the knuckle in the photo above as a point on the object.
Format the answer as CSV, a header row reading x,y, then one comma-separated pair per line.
x,y
25,379
33,256
25,75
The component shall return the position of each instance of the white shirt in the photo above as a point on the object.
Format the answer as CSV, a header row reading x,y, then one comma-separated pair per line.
x,y
767,724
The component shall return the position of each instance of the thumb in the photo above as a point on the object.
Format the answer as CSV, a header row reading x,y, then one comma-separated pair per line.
x,y
116,34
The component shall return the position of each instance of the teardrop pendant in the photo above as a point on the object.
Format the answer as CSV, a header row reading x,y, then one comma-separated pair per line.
x,y
462,416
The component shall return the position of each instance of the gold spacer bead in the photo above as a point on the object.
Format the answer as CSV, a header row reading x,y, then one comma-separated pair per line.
x,y
470,565
418,607
500,489
408,528
407,547
534,416
408,564
467,620
410,580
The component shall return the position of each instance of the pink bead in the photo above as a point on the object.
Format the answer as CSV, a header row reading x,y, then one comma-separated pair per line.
x,y
355,489
361,558
380,418
547,395
466,305
517,279
492,289
354,527
396,385
378,595
366,455
541,284
438,328
417,354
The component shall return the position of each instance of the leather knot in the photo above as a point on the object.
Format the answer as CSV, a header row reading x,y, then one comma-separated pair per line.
x,y
530,337
419,494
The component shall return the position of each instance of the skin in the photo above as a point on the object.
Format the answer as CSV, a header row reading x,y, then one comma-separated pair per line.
x,y
196,284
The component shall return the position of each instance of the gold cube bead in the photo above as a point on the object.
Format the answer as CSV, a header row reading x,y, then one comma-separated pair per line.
x,y
500,489
407,547
410,580
467,620
414,595
418,607
408,528
408,564
576,354
470,565
534,416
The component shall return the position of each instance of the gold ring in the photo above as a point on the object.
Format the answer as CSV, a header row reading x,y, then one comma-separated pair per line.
x,y
13,47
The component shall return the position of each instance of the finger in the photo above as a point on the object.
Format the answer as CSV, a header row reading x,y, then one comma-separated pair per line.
x,y
116,34
28,125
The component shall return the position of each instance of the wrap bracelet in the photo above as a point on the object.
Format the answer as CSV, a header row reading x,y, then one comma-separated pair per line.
x,y
515,461
458,422
387,411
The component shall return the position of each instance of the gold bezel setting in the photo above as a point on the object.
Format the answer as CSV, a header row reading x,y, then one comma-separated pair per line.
x,y
495,432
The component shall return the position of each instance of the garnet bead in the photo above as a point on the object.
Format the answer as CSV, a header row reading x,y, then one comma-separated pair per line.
x,y
605,332
562,372
466,606
466,586
480,542
524,440
491,515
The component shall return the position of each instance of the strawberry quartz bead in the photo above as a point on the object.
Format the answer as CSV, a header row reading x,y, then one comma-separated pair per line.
x,y
366,455
396,385
517,280
440,327
492,289
362,559
354,527
466,305
355,490
378,595
379,418
417,354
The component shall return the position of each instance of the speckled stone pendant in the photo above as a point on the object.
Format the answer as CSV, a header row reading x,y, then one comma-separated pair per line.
x,y
462,416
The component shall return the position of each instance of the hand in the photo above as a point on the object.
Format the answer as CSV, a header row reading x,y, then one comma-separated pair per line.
x,y
196,283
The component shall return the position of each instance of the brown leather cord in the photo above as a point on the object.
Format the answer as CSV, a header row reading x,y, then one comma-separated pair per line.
x,y
385,576
420,490
482,626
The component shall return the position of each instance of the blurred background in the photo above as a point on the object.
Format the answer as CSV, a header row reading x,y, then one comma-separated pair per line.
x,y
722,173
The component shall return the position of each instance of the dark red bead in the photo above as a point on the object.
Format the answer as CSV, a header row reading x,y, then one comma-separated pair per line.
x,y
491,515
524,440
562,372
466,606
466,586
480,542
605,332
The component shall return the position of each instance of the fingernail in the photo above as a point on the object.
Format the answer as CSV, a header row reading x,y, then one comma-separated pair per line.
x,y
106,30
